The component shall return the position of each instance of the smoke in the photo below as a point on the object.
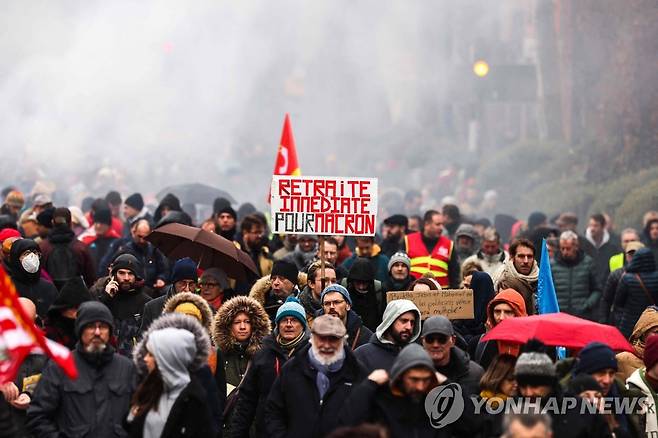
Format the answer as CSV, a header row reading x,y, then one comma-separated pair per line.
x,y
137,96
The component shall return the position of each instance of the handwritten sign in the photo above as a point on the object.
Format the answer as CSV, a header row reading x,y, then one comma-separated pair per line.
x,y
451,303
324,205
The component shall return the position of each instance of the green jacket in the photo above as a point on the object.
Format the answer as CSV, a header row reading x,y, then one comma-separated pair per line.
x,y
576,285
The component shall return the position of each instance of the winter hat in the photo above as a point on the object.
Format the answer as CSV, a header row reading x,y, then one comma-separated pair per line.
x,y
45,218
594,357
130,262
633,246
190,309
437,325
582,383
536,218
184,269
6,233
73,294
90,312
411,356
400,257
219,275
135,201
291,308
102,216
113,198
535,369
78,217
651,352
219,204
397,219
336,288
42,199
327,325
286,270
466,230
62,216
15,199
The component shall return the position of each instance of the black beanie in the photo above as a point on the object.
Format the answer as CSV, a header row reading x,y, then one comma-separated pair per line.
x,y
219,204
73,293
135,201
130,262
582,383
103,216
228,209
286,270
45,218
90,312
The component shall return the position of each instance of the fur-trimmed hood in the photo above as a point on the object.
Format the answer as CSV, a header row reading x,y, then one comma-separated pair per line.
x,y
260,323
176,320
198,301
264,284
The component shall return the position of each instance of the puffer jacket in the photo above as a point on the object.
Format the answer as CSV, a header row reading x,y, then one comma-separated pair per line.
x,y
236,355
631,298
576,285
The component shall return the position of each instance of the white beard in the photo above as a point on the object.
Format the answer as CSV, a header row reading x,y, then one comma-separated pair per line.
x,y
323,359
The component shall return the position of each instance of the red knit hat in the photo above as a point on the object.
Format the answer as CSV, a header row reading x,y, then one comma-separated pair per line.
x,y
651,351
7,233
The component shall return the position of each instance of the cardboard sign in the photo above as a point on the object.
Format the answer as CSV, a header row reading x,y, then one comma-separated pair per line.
x,y
324,205
451,303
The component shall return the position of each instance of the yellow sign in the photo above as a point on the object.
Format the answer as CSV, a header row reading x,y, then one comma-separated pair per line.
x,y
451,303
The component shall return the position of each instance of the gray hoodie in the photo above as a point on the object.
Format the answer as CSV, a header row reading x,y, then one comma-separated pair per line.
x,y
393,311
411,356
174,350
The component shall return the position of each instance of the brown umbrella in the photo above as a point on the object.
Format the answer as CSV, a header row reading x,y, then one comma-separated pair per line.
x,y
207,249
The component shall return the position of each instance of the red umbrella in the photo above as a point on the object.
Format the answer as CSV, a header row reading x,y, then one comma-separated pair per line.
x,y
206,248
558,329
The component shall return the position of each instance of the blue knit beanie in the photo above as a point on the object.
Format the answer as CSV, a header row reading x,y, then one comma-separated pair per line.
x,y
336,288
594,357
293,308
184,269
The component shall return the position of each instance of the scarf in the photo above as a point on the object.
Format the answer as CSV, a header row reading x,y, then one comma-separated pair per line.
x,y
494,399
322,381
216,303
290,346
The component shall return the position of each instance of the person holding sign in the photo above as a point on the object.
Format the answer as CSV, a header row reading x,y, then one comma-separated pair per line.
x,y
430,251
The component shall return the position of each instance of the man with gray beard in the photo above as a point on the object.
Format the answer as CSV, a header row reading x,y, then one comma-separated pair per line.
x,y
97,402
317,382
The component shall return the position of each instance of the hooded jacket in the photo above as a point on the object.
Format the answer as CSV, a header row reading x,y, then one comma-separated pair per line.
x,y
649,421
236,354
646,238
377,259
576,285
171,202
314,417
369,305
261,292
182,407
483,293
31,286
629,362
631,298
484,352
509,278
388,405
381,352
188,297
490,264
215,387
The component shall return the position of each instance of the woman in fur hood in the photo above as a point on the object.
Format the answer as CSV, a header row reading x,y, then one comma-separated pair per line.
x,y
238,331
215,386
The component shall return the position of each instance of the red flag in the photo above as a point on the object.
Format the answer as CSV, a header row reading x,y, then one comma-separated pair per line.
x,y
19,336
286,158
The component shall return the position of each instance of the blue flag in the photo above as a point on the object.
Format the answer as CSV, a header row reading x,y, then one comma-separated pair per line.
x,y
546,297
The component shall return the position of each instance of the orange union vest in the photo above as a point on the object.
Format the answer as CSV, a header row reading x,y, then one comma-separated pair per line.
x,y
422,261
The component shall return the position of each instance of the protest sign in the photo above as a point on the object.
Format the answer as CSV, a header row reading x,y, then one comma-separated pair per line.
x,y
324,205
451,303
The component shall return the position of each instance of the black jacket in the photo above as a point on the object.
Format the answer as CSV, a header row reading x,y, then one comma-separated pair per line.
x,y
63,235
32,286
189,416
94,405
631,299
264,369
126,308
153,308
376,354
294,407
461,369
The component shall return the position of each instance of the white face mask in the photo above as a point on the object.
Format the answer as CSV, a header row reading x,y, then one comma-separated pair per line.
x,y
30,263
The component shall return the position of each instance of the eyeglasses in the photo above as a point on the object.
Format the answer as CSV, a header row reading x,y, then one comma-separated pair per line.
x,y
102,326
186,284
334,303
440,338
208,285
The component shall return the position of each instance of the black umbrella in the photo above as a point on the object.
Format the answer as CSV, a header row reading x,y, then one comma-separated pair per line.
x,y
195,193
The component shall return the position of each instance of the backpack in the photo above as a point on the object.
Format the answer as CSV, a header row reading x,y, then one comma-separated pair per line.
x,y
61,264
